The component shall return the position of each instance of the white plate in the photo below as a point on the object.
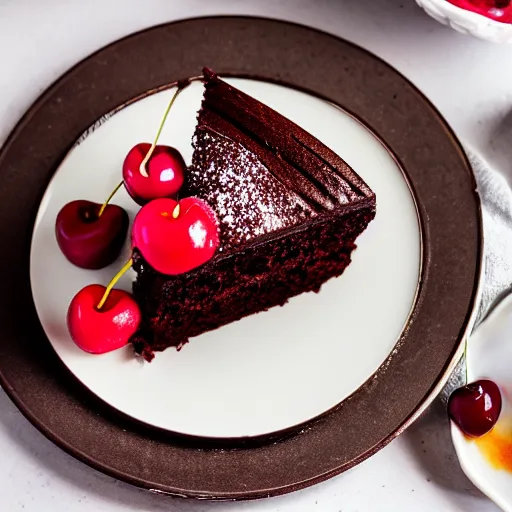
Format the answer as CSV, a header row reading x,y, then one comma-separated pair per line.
x,y
267,372
489,356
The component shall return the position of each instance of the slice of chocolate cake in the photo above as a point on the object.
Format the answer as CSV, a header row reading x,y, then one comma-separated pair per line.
x,y
289,212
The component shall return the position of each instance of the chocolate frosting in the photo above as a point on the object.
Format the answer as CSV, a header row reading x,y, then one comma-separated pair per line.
x,y
261,172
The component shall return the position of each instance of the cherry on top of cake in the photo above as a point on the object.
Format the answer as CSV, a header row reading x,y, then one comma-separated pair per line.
x,y
262,173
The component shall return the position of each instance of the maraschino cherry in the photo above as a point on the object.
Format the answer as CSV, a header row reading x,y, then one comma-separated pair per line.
x,y
152,171
103,319
175,237
476,407
497,10
91,235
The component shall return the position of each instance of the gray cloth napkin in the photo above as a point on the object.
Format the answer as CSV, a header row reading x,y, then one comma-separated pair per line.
x,y
496,198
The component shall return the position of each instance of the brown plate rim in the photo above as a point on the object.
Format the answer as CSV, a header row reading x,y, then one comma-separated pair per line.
x,y
36,380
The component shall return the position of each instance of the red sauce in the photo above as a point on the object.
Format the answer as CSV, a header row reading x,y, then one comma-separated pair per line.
x,y
496,446
497,10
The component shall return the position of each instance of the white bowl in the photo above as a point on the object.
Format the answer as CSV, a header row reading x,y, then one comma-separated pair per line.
x,y
467,22
489,355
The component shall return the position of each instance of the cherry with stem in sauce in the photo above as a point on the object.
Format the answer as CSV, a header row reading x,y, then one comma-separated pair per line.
x,y
476,407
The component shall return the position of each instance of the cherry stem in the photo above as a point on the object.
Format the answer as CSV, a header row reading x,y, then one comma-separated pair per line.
x,y
109,198
142,168
466,358
112,283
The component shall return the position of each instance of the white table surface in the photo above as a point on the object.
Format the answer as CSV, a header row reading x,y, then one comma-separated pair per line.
x,y
470,81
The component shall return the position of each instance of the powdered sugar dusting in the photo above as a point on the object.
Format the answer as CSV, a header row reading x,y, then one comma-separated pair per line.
x,y
248,200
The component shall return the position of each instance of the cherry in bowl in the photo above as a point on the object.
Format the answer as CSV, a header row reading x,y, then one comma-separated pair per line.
x,y
476,407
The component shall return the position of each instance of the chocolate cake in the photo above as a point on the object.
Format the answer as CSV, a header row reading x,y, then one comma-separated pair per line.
x,y
289,212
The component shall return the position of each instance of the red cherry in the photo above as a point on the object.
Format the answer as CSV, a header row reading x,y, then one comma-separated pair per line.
x,y
175,237
165,173
88,240
102,330
500,4
496,10
151,171
487,3
476,407
492,3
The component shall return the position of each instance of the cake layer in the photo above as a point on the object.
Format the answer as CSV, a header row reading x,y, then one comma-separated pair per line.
x,y
227,289
289,212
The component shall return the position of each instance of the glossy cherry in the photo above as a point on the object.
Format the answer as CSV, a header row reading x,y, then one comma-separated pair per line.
x,y
100,330
151,171
175,237
476,407
164,172
486,4
497,10
87,239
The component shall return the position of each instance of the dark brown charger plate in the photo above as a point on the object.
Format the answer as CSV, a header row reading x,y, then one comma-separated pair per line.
x,y
336,70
